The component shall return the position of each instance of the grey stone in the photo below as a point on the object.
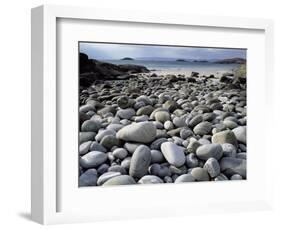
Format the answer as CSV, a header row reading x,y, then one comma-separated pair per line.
x,y
87,108
193,145
205,152
126,113
141,118
120,153
191,160
240,134
185,178
204,141
117,168
228,150
170,105
156,156
242,155
86,136
145,99
168,125
180,121
178,170
140,161
126,163
150,179
174,132
226,136
213,167
185,133
230,124
91,126
173,154
159,170
123,102
109,141
168,179
162,116
195,120
120,180
157,143
143,132
230,166
146,110
84,147
102,169
93,159
131,147
236,177
221,177
203,128
200,174
115,127
88,178
103,133
106,176
95,146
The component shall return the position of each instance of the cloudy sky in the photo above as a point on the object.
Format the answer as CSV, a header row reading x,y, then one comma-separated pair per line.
x,y
106,51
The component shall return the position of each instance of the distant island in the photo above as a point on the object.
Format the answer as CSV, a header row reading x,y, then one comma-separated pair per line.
x,y
201,61
181,60
127,59
231,61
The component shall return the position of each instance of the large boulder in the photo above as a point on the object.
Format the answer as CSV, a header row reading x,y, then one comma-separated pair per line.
x,y
142,132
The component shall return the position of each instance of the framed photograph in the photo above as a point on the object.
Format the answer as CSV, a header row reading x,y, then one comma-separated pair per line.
x,y
140,114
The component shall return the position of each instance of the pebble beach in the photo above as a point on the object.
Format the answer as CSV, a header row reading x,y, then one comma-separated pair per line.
x,y
158,127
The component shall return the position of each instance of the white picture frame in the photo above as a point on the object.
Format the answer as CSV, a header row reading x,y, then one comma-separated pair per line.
x,y
46,182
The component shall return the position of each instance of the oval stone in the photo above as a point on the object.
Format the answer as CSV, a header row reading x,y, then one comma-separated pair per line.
x,y
173,154
126,113
120,153
203,128
200,174
236,177
93,159
150,179
120,180
156,156
195,120
106,176
185,178
91,126
162,116
204,152
86,136
109,141
142,132
140,161
84,147
88,178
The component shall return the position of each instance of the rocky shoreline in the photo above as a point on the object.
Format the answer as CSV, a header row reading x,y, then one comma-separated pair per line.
x,y
149,129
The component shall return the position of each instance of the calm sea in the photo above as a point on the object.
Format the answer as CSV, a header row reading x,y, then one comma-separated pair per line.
x,y
180,66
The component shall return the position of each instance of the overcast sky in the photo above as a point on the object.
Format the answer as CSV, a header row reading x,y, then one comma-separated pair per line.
x,y
118,51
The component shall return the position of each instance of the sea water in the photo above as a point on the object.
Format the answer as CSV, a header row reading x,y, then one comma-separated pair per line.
x,y
179,67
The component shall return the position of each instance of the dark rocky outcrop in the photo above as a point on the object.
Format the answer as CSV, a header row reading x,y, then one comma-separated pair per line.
x,y
91,70
127,59
232,61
